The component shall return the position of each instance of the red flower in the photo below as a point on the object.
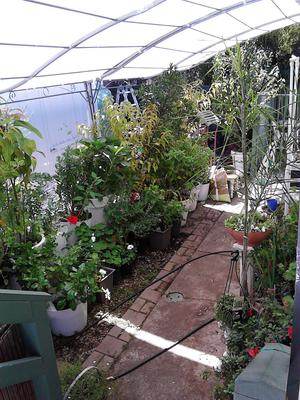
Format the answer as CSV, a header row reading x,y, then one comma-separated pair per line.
x,y
134,197
252,352
72,219
250,312
290,331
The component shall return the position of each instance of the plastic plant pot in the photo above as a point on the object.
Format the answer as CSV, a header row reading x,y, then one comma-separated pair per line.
x,y
67,322
160,240
254,238
175,230
272,204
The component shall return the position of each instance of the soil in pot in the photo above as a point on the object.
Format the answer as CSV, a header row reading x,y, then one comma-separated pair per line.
x,y
160,240
254,238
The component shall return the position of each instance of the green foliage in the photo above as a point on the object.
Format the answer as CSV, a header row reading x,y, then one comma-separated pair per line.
x,y
90,386
290,273
257,222
69,173
103,240
71,278
177,101
282,42
148,146
128,216
173,210
16,150
241,76
274,259
19,224
75,278
184,165
251,331
96,168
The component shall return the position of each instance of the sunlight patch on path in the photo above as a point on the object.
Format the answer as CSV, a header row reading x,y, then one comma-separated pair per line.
x,y
180,350
229,208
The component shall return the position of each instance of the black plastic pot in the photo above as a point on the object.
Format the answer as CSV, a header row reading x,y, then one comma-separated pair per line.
x,y
160,240
117,276
127,269
175,230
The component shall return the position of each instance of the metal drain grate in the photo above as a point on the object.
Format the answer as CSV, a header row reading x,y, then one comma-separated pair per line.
x,y
174,297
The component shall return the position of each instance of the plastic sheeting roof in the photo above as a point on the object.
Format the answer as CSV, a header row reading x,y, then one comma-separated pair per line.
x,y
51,42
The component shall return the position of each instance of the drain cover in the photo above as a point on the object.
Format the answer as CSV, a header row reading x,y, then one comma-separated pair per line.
x,y
175,296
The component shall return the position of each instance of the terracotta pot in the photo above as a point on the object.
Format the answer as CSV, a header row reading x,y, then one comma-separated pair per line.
x,y
254,238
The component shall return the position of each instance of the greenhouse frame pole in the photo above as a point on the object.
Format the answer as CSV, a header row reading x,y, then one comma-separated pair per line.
x,y
90,100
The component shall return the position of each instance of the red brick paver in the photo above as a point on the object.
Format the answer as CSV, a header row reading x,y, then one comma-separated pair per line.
x,y
200,284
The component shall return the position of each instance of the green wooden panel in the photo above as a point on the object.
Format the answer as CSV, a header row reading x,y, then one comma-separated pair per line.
x,y
15,311
20,295
30,310
21,370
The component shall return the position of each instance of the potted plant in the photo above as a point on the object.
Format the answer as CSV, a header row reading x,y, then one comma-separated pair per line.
x,y
173,214
74,282
203,186
260,228
160,235
132,216
112,251
20,227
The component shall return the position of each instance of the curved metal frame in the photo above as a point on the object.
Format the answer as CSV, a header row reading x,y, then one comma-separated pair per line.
x,y
123,63
81,40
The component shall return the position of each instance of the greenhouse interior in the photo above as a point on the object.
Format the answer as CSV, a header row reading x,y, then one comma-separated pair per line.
x,y
149,200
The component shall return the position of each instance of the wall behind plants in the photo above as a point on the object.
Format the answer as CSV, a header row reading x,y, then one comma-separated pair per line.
x,y
56,117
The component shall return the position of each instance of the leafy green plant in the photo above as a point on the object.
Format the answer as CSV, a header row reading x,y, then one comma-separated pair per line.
x,y
257,222
97,168
69,172
172,212
274,259
177,101
18,223
74,279
104,241
247,336
132,214
184,165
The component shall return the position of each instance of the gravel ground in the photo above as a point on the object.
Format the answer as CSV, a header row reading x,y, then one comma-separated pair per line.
x,y
146,267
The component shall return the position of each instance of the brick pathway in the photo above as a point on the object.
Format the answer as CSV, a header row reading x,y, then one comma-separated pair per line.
x,y
170,376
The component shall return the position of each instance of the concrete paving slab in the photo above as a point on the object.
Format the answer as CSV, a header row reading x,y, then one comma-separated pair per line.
x,y
178,376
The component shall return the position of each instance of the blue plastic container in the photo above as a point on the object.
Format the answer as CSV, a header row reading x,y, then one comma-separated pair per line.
x,y
272,204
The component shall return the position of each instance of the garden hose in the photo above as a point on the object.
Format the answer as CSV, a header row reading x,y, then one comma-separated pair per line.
x,y
234,254
233,264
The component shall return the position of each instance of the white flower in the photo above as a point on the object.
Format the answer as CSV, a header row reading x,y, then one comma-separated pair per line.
x,y
263,229
93,239
102,272
28,229
130,247
106,293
